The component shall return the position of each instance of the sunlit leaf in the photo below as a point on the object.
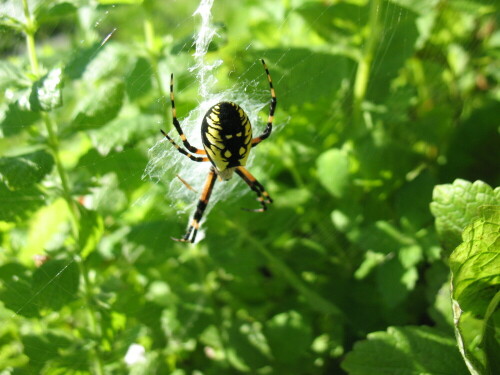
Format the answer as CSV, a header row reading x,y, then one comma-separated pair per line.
x,y
405,350
333,171
455,205
475,266
46,93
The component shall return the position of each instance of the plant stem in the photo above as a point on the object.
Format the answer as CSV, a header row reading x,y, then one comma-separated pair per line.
x,y
316,301
365,61
53,143
149,35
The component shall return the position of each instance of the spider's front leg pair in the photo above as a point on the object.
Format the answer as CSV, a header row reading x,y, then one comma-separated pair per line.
x,y
227,141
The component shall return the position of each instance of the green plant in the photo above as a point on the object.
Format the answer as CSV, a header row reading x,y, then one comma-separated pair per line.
x,y
382,163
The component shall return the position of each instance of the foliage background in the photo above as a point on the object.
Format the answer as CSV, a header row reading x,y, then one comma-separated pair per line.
x,y
378,103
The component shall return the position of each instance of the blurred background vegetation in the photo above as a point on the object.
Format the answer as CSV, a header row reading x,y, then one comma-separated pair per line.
x,y
378,102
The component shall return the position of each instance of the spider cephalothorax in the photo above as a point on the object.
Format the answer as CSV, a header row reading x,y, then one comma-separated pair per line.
x,y
226,134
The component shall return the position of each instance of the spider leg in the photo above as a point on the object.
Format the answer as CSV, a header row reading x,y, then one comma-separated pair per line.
x,y
184,152
272,107
202,204
177,125
262,195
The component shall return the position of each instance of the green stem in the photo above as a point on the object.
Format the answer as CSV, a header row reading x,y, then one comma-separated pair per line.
x,y
53,143
365,61
149,35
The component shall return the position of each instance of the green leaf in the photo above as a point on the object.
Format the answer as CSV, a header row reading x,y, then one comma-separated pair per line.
x,y
46,93
41,348
475,266
15,119
405,350
121,131
10,75
394,282
16,292
106,2
17,205
25,170
48,11
101,106
333,171
331,19
289,337
455,205
55,283
91,230
139,80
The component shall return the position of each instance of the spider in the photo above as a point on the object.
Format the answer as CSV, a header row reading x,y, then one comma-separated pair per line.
x,y
227,139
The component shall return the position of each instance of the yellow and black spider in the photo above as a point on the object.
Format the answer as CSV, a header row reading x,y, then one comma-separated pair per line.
x,y
227,139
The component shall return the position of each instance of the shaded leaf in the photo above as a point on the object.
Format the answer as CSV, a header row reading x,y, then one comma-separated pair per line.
x,y
100,107
15,119
91,230
25,170
55,283
16,292
18,204
289,337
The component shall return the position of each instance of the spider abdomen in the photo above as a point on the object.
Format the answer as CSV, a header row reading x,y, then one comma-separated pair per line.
x,y
226,133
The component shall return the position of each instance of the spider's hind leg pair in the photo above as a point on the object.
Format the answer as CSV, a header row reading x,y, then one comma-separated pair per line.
x,y
227,139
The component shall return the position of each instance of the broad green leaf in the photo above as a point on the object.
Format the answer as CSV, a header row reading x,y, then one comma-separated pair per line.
x,y
398,45
14,119
123,130
455,205
139,80
53,10
91,230
18,204
101,106
41,348
16,292
475,266
289,337
329,20
55,283
333,171
80,59
46,93
395,282
405,350
22,171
